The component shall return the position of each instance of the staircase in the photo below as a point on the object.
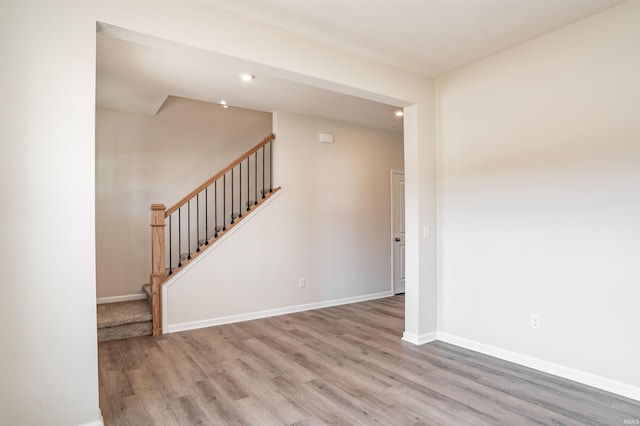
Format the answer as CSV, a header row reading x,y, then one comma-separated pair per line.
x,y
123,320
185,230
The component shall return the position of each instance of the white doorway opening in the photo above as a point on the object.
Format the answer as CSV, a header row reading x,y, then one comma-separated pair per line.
x,y
397,231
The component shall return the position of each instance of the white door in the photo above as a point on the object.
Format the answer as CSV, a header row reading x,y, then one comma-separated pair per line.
x,y
397,227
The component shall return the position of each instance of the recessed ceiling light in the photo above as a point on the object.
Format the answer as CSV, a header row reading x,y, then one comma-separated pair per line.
x,y
223,102
399,113
245,76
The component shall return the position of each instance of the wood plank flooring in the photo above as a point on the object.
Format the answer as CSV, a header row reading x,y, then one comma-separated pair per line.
x,y
344,365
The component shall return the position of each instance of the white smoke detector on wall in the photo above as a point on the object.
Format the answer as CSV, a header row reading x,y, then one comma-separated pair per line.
x,y
325,137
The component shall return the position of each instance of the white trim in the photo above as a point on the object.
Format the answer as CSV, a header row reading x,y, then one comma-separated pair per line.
x,y
579,376
125,298
272,312
419,339
99,422
207,252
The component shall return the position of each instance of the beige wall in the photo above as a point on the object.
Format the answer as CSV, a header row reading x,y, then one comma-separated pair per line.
x,y
330,225
143,159
539,201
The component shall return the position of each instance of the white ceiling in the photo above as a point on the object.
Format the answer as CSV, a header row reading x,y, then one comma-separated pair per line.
x,y
136,73
429,37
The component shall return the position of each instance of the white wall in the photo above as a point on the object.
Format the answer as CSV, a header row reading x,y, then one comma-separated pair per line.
x,y
142,159
48,343
330,226
539,200
48,103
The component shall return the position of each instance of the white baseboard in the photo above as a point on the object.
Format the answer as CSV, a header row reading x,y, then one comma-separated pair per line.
x,y
419,339
172,328
99,422
579,376
125,298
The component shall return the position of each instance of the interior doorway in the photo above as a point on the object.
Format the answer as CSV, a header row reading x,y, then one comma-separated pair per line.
x,y
397,230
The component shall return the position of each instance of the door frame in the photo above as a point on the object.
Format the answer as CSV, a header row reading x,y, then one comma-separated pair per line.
x,y
392,216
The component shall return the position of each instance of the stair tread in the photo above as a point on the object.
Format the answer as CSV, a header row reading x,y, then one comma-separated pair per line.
x,y
120,313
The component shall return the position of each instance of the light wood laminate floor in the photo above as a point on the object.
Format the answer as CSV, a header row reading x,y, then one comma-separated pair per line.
x,y
344,365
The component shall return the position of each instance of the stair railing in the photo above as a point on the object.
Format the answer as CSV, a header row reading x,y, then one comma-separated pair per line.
x,y
184,230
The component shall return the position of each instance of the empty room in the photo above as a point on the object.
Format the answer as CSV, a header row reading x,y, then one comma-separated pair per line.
x,y
320,212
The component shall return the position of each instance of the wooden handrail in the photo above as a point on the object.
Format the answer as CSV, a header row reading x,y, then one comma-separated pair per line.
x,y
218,175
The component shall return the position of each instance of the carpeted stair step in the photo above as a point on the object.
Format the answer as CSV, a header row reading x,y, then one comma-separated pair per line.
x,y
123,320
147,289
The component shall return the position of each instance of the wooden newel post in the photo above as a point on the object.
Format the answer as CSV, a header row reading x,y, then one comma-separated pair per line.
x,y
158,274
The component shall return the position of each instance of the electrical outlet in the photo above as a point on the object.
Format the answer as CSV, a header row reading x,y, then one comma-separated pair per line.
x,y
535,321
301,283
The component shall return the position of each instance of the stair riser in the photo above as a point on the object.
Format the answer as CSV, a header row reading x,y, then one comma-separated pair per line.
x,y
124,331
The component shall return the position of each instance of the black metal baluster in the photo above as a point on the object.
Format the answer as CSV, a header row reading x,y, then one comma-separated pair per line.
x,y
240,195
255,188
248,180
232,218
263,188
224,202
215,209
270,166
206,216
189,229
180,237
170,258
198,221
